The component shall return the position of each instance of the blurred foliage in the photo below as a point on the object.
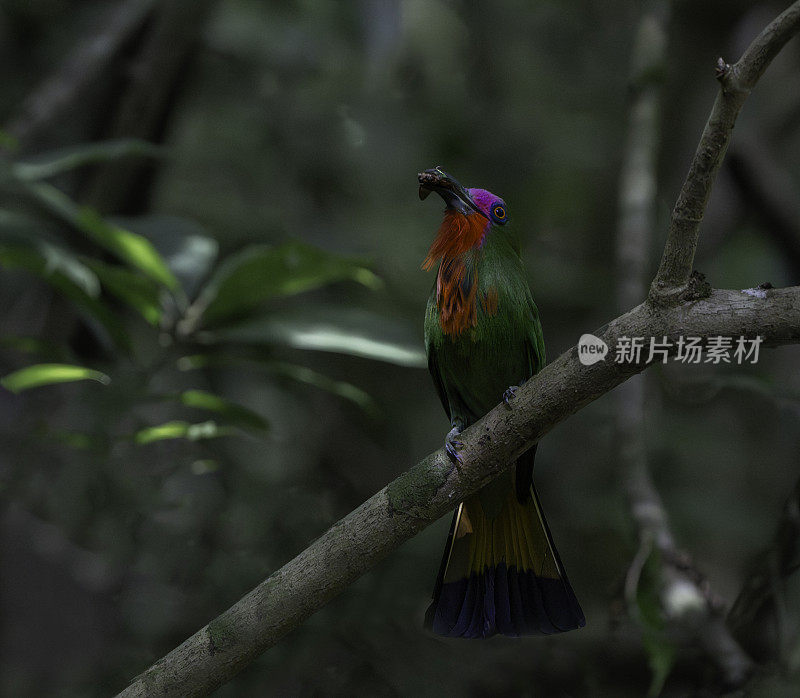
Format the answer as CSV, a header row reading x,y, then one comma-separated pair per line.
x,y
264,379
235,291
109,275
47,374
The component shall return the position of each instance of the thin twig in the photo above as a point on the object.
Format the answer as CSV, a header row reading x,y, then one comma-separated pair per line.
x,y
736,83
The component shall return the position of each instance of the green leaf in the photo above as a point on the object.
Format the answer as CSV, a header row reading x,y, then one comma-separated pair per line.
x,y
186,246
57,259
257,274
131,248
80,289
135,250
47,260
236,414
661,655
301,374
139,292
66,159
75,439
350,331
342,389
193,362
48,374
181,430
661,650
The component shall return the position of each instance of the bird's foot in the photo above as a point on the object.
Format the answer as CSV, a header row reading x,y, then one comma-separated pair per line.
x,y
510,394
452,445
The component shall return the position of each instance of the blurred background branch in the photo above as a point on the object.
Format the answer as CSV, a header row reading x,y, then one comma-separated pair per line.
x,y
66,99
764,616
664,592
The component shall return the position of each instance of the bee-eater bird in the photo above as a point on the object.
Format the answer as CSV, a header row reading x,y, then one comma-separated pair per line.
x,y
500,572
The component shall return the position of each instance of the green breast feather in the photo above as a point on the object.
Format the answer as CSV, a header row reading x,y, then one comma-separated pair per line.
x,y
505,347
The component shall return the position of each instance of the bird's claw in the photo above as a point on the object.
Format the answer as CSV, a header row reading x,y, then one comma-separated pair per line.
x,y
452,452
452,446
510,394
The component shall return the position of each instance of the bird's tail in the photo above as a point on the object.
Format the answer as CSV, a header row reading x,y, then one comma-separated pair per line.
x,y
501,572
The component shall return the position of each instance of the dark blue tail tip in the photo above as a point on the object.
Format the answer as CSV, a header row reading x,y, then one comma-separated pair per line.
x,y
504,601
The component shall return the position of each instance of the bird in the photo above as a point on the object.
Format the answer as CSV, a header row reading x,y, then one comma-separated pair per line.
x,y
500,572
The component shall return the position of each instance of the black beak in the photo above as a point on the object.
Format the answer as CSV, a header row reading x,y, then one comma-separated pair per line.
x,y
446,186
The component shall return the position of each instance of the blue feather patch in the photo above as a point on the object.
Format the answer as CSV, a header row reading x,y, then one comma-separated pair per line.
x,y
504,601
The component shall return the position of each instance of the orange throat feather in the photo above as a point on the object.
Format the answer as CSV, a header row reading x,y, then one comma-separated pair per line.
x,y
456,281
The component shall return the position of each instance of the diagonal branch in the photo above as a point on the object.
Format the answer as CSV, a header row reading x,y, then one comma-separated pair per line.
x,y
736,83
62,93
429,490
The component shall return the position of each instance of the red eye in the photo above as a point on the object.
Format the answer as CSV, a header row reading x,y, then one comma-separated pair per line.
x,y
499,212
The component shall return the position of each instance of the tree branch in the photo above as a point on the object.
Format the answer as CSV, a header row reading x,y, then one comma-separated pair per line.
x,y
736,83
430,489
56,99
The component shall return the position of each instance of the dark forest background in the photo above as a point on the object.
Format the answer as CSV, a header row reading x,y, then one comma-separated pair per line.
x,y
212,207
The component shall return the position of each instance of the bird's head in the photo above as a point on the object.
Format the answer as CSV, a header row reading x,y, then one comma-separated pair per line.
x,y
458,199
468,217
